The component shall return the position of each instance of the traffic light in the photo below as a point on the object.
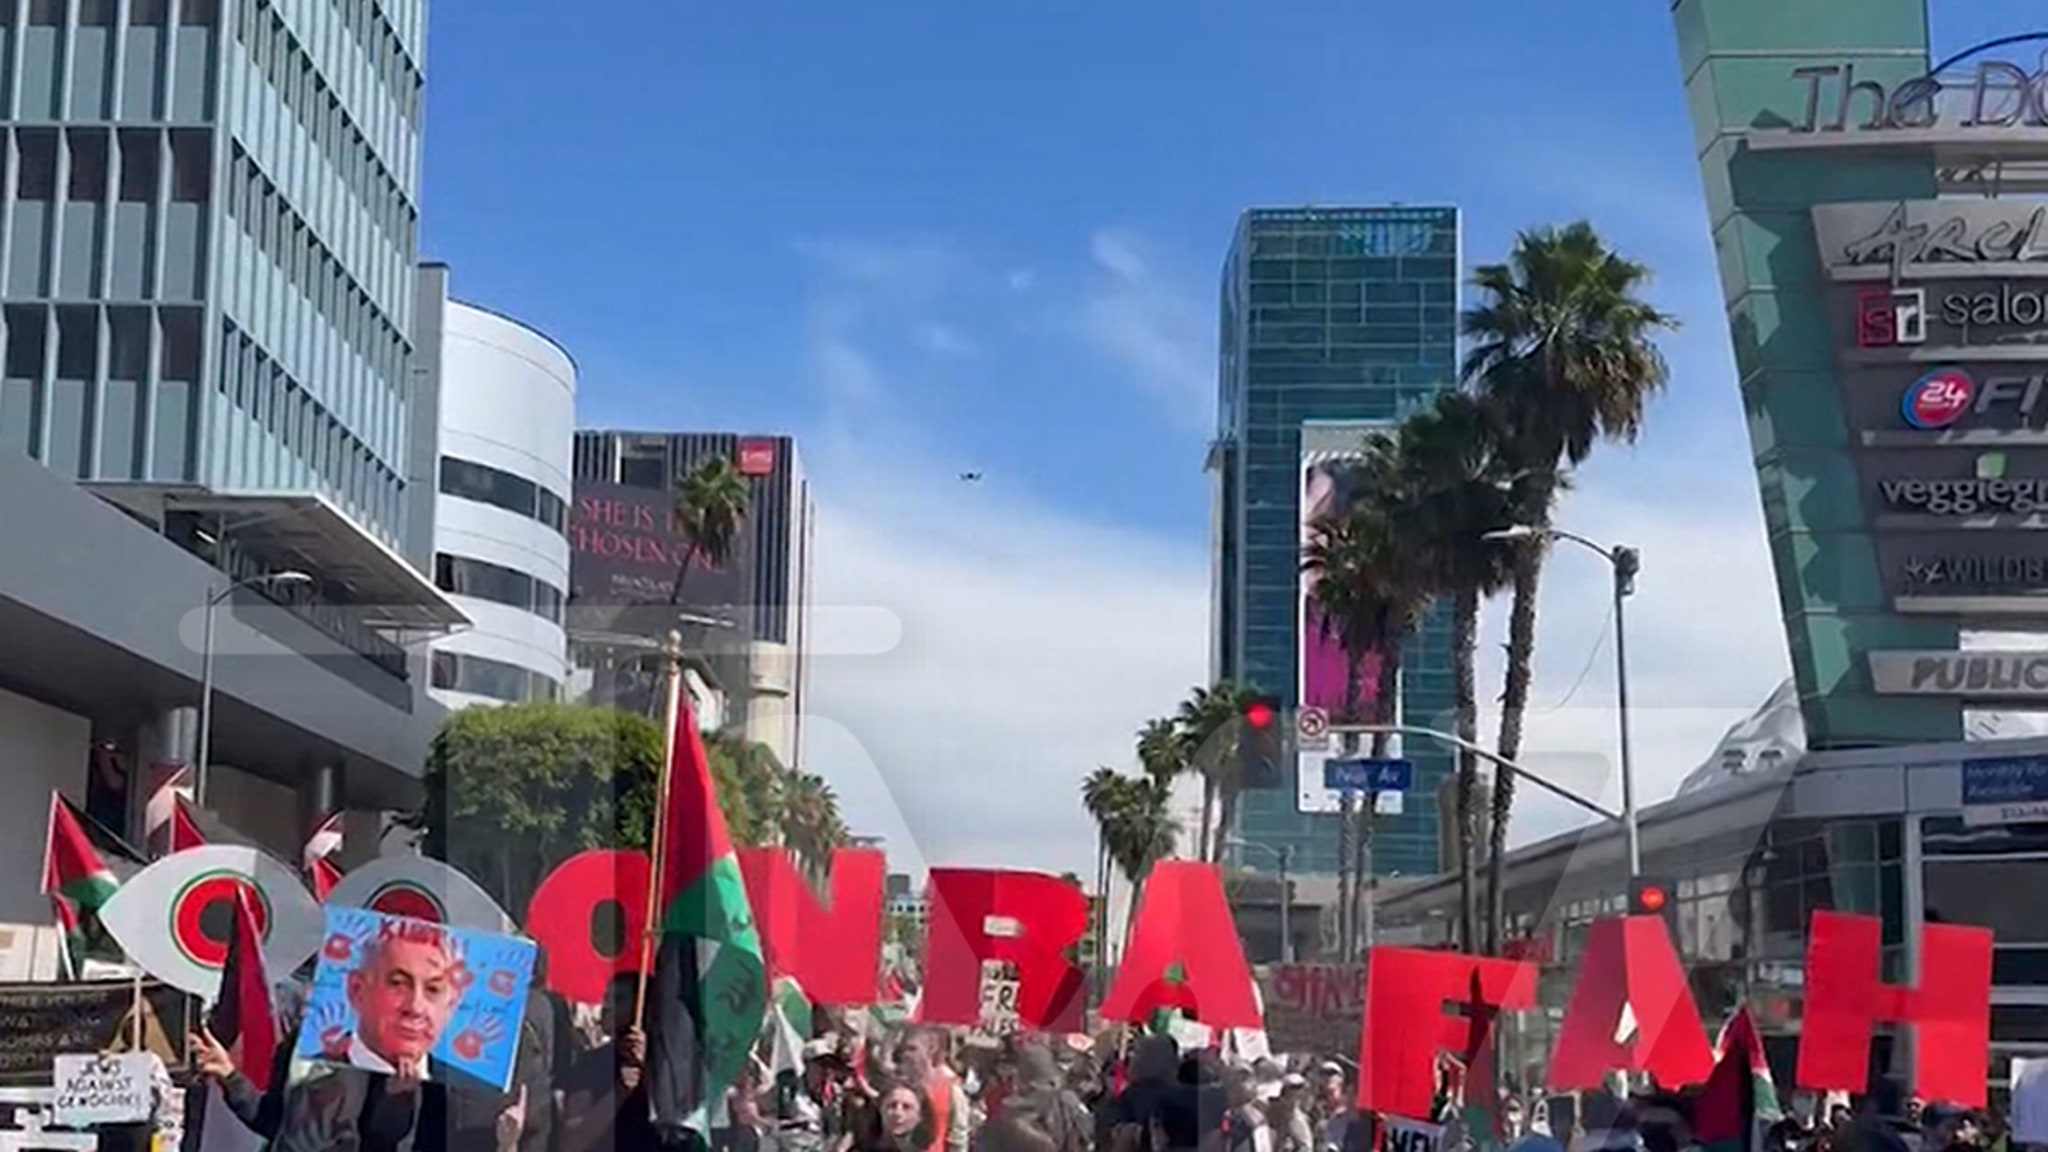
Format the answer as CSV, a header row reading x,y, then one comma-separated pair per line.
x,y
1649,896
1262,744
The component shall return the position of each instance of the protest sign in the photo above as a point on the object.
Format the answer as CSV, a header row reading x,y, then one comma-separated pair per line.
x,y
39,1022
174,918
391,990
2028,1113
1413,1136
999,1018
104,1088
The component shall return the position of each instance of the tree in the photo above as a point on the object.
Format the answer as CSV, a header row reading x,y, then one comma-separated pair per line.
x,y
1099,798
1563,348
711,504
512,792
1459,488
1134,823
1370,596
811,826
1210,721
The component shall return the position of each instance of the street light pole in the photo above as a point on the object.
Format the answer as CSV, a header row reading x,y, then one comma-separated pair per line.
x,y
1624,562
1286,913
213,602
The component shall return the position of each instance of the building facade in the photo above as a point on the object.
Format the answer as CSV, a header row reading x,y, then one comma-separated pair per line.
x,y
506,396
1876,209
754,619
207,240
1335,322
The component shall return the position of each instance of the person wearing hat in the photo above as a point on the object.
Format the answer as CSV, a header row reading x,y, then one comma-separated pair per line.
x,y
1287,1116
1040,1111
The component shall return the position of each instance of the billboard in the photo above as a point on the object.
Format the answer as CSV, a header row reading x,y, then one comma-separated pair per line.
x,y
1330,453
626,550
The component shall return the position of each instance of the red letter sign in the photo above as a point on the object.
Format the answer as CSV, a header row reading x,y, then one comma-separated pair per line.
x,y
1950,1012
834,953
567,918
1027,918
1184,923
1630,962
1406,990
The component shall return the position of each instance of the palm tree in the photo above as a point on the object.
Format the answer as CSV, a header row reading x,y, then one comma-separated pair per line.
x,y
1460,488
1099,798
1135,823
1562,346
1210,722
811,825
711,503
1370,597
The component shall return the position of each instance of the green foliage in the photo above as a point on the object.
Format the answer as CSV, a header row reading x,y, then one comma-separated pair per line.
x,y
514,791
711,504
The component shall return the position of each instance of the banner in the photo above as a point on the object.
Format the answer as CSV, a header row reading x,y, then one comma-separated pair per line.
x,y
1412,1136
104,1088
40,1022
1000,1019
391,990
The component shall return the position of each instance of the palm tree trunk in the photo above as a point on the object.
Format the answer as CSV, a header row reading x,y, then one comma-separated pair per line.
x,y
1386,702
1205,848
1102,902
1465,687
1226,815
1347,828
675,590
1514,703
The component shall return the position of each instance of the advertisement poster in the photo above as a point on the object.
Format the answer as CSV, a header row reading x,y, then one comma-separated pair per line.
x,y
391,990
1329,483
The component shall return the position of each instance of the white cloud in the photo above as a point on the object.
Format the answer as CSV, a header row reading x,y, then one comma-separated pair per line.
x,y
1160,332
945,340
1033,645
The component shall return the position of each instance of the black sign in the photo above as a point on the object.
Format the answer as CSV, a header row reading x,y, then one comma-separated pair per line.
x,y
1963,571
1874,318
627,551
39,1022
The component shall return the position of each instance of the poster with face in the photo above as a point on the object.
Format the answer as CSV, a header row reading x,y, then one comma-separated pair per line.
x,y
392,992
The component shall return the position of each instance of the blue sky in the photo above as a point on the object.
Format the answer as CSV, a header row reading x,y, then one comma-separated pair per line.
x,y
928,236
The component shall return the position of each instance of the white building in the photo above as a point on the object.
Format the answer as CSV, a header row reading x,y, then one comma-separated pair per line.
x,y
507,398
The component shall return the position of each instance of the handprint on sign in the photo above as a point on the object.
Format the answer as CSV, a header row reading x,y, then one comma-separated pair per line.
x,y
469,1044
330,1022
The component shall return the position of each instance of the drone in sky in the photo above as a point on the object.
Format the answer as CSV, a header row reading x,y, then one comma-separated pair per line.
x,y
970,477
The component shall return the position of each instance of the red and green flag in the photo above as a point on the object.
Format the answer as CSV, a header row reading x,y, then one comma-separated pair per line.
x,y
709,993
75,871
1738,1103
243,1019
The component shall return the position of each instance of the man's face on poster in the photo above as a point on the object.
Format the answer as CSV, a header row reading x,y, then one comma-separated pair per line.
x,y
403,995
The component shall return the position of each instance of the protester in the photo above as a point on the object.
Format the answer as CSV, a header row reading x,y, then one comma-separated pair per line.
x,y
604,1094
1287,1116
919,1062
1244,1122
1041,1105
903,1121
1154,1112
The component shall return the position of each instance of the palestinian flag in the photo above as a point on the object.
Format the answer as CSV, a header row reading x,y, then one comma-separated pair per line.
x,y
1739,1102
322,876
709,991
185,832
242,1018
789,1026
75,871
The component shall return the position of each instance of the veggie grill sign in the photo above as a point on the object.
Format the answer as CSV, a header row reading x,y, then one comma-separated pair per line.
x,y
1184,953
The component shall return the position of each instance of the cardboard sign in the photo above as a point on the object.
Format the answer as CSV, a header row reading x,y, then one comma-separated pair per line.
x,y
104,1088
390,989
39,1022
1412,1135
1000,1018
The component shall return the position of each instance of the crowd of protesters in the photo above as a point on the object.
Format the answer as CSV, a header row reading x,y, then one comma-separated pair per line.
x,y
585,1089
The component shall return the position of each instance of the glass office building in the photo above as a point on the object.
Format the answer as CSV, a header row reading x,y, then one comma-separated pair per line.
x,y
208,239
1328,315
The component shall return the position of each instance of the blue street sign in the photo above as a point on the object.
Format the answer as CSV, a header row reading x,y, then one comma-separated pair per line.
x,y
1368,775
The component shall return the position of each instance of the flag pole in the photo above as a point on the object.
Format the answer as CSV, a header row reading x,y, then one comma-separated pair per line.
x,y
657,846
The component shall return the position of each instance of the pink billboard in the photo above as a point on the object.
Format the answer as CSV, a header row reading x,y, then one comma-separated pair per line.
x,y
1328,484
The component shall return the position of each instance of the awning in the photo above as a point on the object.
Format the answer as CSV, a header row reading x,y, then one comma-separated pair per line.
x,y
306,530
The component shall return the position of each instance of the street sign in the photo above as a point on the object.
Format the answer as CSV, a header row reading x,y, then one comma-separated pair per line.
x,y
1312,728
1369,775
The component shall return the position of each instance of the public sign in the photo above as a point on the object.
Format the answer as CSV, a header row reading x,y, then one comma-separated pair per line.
x,y
105,1088
1369,775
2010,790
1981,675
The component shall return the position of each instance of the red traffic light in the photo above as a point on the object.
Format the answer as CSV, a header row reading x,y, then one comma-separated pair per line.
x,y
1259,714
1650,898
